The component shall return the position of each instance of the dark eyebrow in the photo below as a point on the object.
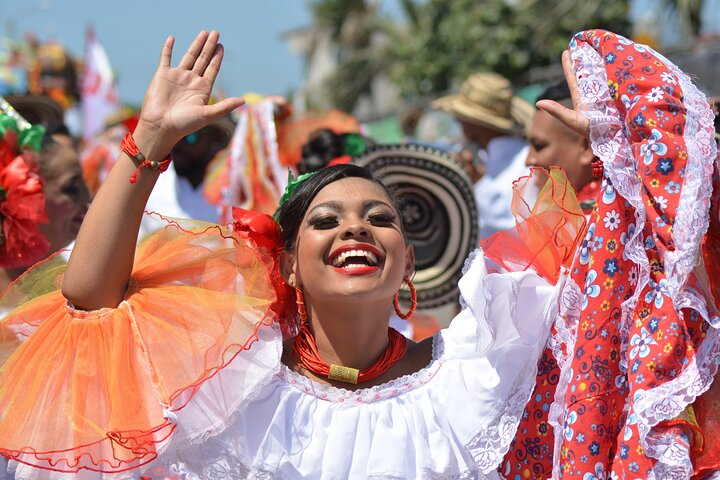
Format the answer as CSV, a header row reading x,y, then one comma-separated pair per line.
x,y
331,205
370,204
337,206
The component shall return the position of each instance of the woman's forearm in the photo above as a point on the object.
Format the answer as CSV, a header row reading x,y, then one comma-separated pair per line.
x,y
101,262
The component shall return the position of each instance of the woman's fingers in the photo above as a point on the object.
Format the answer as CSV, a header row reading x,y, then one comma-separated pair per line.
x,y
213,68
217,110
569,71
206,54
562,113
572,118
188,60
166,53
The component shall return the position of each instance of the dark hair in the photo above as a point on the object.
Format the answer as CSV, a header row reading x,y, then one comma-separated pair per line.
x,y
557,92
56,128
322,146
291,212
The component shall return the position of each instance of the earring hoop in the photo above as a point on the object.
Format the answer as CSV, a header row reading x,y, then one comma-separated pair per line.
x,y
300,300
413,301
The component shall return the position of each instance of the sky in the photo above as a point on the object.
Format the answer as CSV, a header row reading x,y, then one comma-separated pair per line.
x,y
133,31
257,59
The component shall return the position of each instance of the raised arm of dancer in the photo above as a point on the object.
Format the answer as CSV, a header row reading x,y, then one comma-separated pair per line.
x,y
175,105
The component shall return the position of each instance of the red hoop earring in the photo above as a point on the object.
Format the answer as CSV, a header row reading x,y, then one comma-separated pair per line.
x,y
300,300
413,301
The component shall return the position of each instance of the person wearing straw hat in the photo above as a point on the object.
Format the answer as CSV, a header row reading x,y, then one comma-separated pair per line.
x,y
493,120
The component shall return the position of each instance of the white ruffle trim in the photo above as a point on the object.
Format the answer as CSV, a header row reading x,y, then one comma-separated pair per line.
x,y
453,419
611,145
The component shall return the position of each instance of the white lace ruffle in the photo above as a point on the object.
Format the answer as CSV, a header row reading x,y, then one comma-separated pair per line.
x,y
611,144
453,419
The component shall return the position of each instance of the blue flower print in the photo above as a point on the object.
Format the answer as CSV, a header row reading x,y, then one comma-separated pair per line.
x,y
631,420
665,165
590,290
610,58
611,267
649,243
653,324
625,238
629,104
586,245
632,89
672,187
598,474
597,243
624,451
639,119
657,293
594,448
653,147
641,344
608,196
569,420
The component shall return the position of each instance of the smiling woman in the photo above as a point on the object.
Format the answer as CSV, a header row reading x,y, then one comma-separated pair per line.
x,y
264,349
261,349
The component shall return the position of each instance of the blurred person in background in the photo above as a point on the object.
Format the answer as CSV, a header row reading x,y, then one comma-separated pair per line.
x,y
493,120
179,193
552,144
66,196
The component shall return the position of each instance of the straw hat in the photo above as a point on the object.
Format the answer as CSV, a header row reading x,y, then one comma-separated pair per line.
x,y
487,99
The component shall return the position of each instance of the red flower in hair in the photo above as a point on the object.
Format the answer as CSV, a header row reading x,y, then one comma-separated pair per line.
x,y
22,207
266,235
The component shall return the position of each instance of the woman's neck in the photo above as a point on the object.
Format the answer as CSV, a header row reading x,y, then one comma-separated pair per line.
x,y
352,335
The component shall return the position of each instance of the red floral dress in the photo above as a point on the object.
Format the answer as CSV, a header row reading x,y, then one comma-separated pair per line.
x,y
637,320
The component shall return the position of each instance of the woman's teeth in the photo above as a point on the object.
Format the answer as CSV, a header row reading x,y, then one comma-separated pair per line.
x,y
369,257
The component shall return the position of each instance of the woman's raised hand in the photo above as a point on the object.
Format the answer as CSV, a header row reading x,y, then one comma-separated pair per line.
x,y
175,103
573,119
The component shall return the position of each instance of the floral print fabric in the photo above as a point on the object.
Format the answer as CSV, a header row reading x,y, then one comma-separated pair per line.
x,y
636,322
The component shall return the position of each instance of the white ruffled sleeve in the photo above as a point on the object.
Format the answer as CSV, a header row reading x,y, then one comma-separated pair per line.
x,y
490,354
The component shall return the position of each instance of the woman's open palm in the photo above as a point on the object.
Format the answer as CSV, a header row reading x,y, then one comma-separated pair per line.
x,y
176,100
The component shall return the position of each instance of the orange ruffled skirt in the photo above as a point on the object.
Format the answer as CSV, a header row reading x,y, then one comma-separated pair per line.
x,y
94,389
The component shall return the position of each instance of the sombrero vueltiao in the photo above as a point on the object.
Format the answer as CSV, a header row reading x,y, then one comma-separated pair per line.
x,y
439,214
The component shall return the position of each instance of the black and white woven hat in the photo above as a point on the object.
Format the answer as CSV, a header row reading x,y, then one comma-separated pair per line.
x,y
439,213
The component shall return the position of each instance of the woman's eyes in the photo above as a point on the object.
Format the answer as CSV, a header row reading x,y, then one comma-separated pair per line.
x,y
323,222
381,218
332,221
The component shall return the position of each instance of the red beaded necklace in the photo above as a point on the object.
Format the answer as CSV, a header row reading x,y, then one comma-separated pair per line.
x,y
306,355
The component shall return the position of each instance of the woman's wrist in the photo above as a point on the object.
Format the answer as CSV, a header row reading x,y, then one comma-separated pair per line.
x,y
152,143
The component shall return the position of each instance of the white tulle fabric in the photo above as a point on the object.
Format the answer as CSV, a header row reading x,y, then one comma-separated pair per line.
x,y
453,419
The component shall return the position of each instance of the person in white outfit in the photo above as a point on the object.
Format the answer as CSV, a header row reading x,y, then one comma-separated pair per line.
x,y
493,121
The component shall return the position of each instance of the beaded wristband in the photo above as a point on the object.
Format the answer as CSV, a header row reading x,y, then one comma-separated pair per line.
x,y
128,146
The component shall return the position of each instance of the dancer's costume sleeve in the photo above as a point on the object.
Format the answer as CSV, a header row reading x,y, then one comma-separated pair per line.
x,y
637,338
97,390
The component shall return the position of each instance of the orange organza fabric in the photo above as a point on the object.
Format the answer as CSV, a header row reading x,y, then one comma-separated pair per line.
x,y
549,223
91,389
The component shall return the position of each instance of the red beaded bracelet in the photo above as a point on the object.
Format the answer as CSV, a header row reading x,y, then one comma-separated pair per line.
x,y
128,146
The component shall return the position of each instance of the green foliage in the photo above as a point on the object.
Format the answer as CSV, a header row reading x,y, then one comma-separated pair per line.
x,y
450,39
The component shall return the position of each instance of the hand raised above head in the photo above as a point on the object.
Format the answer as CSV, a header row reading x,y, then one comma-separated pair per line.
x,y
175,103
573,119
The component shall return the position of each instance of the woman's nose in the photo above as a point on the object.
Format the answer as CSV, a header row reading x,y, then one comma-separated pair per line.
x,y
355,229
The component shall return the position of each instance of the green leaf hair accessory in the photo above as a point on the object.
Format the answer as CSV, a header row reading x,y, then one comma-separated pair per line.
x,y
28,135
354,145
292,185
